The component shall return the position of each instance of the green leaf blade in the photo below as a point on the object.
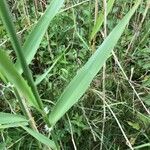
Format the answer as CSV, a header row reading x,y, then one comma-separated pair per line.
x,y
9,71
7,118
82,80
35,37
43,76
41,138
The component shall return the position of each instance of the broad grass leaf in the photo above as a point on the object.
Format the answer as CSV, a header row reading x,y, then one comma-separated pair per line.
x,y
7,118
82,80
35,37
12,75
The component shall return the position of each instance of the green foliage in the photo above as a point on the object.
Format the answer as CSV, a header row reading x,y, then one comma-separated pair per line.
x,y
16,79
34,39
43,139
84,77
6,118
100,19
55,46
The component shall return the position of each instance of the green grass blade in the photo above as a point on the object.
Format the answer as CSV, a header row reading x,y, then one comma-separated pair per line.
x,y
43,76
2,77
35,37
41,138
8,23
142,146
9,71
100,19
13,125
7,118
84,77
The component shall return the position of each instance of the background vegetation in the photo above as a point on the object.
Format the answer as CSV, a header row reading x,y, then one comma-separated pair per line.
x,y
113,114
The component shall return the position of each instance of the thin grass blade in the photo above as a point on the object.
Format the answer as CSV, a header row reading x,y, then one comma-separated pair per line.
x,y
43,76
100,19
41,138
84,77
143,146
13,125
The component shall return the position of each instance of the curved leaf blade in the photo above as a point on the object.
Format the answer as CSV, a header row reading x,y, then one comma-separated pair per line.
x,y
82,80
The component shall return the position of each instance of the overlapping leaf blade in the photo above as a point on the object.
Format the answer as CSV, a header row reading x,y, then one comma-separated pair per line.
x,y
12,75
82,80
